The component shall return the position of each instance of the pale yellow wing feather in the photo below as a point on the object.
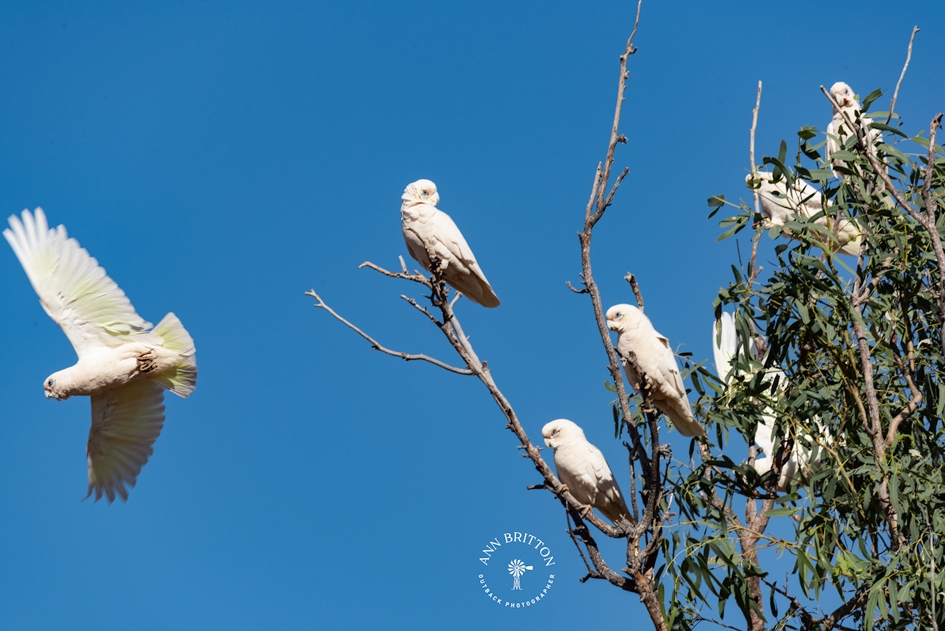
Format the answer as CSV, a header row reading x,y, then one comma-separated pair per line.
x,y
73,289
125,423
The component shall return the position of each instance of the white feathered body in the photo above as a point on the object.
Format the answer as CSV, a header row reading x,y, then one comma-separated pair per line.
x,y
800,460
123,364
843,124
582,467
655,358
102,367
802,202
431,234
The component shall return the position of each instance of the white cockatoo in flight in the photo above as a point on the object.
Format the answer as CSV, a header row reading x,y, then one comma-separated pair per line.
x,y
801,202
725,346
584,470
431,234
655,358
839,129
124,364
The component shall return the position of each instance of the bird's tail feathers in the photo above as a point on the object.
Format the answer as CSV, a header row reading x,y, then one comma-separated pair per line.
x,y
181,379
475,287
683,420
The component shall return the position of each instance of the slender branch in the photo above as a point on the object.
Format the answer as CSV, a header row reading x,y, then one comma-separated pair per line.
x,y
601,569
417,277
755,520
588,212
630,278
752,262
934,126
613,190
913,405
931,549
573,535
634,507
413,303
639,563
806,617
832,621
320,304
591,218
747,538
575,289
615,137
873,429
902,75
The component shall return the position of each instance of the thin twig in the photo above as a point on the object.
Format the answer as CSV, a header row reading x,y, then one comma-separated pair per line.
x,y
573,535
575,289
630,278
931,549
902,75
320,304
913,405
417,278
753,270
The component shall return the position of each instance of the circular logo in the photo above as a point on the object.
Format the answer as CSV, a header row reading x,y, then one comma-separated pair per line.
x,y
517,570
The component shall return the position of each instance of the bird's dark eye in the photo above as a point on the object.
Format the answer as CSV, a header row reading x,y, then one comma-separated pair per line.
x,y
555,432
50,382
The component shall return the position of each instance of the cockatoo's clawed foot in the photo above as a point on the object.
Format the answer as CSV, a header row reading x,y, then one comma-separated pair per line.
x,y
562,489
146,361
586,511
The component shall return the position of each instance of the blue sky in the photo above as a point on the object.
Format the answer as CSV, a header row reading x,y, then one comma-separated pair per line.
x,y
219,159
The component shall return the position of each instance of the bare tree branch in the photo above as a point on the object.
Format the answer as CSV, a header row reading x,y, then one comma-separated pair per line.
x,y
320,304
416,277
902,75
630,278
913,404
754,270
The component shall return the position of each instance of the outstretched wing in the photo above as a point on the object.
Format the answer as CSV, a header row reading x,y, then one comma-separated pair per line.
x,y
125,423
73,289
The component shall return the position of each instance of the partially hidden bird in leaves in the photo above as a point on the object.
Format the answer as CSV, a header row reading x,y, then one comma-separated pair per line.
x,y
802,459
432,236
584,470
655,359
124,364
801,202
842,130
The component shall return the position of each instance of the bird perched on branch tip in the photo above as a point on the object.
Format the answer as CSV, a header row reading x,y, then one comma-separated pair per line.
x,y
431,235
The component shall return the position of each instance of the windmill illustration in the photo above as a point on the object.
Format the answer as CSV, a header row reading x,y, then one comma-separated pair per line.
x,y
516,569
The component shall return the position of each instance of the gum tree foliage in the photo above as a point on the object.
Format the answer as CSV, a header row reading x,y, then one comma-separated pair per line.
x,y
860,342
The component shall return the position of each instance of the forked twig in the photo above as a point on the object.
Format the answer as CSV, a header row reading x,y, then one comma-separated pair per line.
x,y
321,304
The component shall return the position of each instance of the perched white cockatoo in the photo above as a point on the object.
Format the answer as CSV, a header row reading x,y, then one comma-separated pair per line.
x,y
584,470
123,364
780,203
802,202
725,346
839,129
431,234
655,358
